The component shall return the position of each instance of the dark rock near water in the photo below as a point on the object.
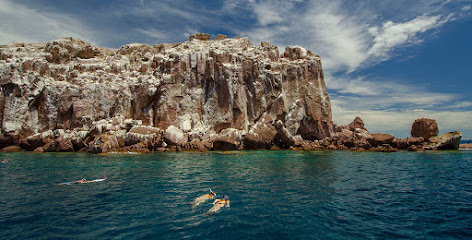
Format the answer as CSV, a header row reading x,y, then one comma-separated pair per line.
x,y
261,135
381,138
11,149
228,139
447,141
103,143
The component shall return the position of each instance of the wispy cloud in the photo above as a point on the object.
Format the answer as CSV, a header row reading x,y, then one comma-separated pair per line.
x,y
347,37
391,35
20,23
155,35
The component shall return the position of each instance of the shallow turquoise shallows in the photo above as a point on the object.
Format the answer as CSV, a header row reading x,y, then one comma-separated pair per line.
x,y
273,194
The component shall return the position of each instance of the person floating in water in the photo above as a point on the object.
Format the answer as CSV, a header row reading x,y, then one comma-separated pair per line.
x,y
218,204
83,180
4,161
199,200
91,181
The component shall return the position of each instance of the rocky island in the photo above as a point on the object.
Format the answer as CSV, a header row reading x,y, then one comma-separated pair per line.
x,y
203,94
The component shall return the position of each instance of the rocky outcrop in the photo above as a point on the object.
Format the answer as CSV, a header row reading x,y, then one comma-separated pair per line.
x,y
229,139
203,94
283,135
447,141
406,143
201,87
466,146
175,136
261,135
424,128
353,136
380,139
356,123
103,143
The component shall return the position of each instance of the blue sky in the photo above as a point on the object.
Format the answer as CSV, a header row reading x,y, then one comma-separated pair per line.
x,y
389,61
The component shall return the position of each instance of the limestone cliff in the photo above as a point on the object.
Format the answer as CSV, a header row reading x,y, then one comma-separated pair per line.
x,y
201,87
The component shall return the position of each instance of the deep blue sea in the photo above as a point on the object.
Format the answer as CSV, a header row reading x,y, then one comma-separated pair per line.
x,y
274,195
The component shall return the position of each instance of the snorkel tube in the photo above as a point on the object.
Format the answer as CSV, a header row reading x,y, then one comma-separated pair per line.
x,y
211,192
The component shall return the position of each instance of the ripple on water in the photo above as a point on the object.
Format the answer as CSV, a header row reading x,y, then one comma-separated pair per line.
x,y
276,195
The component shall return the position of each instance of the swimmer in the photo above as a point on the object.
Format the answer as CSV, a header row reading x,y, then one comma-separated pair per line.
x,y
199,200
4,161
96,180
80,181
218,204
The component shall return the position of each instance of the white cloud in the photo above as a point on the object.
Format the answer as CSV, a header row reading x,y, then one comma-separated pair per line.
x,y
391,35
268,13
385,93
347,39
158,36
20,23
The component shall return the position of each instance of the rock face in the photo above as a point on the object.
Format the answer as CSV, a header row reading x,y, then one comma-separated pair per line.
x,y
380,139
201,87
424,128
356,123
447,141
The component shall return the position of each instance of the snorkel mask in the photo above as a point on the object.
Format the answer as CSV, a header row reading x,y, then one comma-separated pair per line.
x,y
211,192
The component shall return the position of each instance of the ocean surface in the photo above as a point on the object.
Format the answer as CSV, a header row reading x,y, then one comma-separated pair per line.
x,y
273,194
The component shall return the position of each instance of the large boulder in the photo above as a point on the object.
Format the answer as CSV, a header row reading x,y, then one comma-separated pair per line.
x,y
143,133
103,143
356,123
406,143
261,135
229,139
11,149
381,138
283,135
40,139
64,145
424,128
200,36
343,137
447,141
175,137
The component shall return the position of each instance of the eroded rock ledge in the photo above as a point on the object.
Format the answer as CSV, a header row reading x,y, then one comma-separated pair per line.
x,y
203,94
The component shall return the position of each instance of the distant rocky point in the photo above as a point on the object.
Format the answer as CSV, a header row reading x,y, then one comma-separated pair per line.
x,y
203,94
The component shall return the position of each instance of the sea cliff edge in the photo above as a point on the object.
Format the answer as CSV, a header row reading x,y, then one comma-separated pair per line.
x,y
221,94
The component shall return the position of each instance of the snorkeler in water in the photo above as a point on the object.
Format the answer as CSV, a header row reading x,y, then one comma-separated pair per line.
x,y
199,200
4,161
83,180
218,204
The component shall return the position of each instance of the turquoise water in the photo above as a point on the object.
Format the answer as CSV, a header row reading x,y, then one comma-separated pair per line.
x,y
274,195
